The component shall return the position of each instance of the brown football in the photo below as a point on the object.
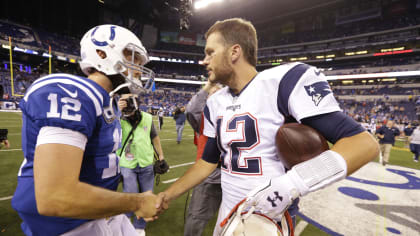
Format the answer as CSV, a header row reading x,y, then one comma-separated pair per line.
x,y
297,143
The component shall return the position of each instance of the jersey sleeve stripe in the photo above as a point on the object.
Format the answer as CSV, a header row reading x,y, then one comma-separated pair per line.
x,y
34,87
48,134
207,115
286,86
62,75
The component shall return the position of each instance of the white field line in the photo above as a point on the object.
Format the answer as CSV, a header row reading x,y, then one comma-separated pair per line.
x,y
169,181
10,150
183,164
300,227
5,198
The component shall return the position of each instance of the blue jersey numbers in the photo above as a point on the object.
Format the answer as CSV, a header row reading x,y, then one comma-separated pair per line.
x,y
245,127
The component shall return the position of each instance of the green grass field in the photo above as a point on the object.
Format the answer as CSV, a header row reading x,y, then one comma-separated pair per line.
x,y
172,221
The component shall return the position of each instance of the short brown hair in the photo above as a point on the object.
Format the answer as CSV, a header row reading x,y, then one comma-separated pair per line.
x,y
238,31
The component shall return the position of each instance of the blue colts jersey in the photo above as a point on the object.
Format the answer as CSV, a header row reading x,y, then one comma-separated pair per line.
x,y
77,104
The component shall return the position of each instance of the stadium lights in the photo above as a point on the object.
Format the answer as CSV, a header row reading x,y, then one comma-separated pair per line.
x,y
31,52
392,49
62,58
298,58
154,58
172,60
356,53
18,49
5,46
204,3
46,55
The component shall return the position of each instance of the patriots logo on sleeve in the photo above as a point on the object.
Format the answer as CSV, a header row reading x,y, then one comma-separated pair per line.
x,y
318,91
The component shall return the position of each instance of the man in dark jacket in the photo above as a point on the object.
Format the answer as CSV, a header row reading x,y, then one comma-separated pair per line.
x,y
179,117
386,135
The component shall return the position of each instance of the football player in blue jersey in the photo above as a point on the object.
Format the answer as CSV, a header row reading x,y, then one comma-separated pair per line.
x,y
241,121
70,133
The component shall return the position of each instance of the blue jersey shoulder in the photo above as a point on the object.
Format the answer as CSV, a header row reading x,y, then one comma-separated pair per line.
x,y
65,101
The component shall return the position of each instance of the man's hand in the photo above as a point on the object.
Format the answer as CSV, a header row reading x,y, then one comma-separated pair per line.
x,y
147,206
272,198
162,202
122,103
211,88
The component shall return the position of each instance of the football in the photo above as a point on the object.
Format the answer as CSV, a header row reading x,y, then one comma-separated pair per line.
x,y
297,143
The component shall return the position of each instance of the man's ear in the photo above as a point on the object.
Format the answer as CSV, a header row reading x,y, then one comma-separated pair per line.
x,y
236,53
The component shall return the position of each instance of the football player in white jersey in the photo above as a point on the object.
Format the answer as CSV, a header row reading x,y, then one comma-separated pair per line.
x,y
68,180
241,121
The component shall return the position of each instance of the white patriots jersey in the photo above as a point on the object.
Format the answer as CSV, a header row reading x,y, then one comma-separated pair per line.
x,y
245,125
74,103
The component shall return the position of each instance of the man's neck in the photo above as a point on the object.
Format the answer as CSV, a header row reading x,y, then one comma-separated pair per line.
x,y
241,78
102,80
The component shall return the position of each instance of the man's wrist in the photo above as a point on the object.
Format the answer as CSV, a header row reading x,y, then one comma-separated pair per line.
x,y
319,172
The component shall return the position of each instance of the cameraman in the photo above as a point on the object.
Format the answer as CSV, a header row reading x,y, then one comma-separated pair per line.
x,y
3,139
139,139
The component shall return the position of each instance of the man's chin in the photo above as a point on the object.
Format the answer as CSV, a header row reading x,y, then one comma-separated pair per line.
x,y
213,78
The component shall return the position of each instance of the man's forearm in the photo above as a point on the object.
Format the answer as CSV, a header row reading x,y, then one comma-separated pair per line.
x,y
157,146
85,201
194,175
367,149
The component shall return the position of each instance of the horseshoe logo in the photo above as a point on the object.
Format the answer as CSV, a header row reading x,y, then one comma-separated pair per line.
x,y
103,43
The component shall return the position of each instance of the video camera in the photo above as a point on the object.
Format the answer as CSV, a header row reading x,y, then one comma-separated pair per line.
x,y
3,134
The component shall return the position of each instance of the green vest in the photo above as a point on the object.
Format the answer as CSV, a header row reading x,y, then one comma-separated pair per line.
x,y
141,146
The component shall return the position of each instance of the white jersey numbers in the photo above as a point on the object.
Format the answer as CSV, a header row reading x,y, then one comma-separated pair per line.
x,y
69,107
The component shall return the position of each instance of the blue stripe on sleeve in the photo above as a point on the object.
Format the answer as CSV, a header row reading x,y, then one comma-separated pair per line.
x,y
207,115
211,153
287,83
334,126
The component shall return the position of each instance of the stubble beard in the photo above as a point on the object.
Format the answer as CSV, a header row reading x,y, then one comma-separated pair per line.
x,y
225,73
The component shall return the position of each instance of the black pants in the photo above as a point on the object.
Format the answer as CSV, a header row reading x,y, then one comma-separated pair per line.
x,y
160,122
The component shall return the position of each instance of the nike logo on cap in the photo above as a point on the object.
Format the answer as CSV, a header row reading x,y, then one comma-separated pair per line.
x,y
71,94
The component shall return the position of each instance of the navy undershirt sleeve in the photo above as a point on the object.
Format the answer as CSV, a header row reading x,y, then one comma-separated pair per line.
x,y
334,126
211,152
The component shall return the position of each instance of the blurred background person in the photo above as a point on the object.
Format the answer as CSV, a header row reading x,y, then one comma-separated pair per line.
x,y
386,135
160,115
415,143
179,117
207,196
139,142
4,142
408,131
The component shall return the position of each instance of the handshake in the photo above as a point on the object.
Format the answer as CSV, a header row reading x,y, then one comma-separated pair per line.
x,y
151,205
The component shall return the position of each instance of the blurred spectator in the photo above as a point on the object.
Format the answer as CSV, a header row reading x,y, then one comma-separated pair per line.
x,y
386,135
179,117
415,143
